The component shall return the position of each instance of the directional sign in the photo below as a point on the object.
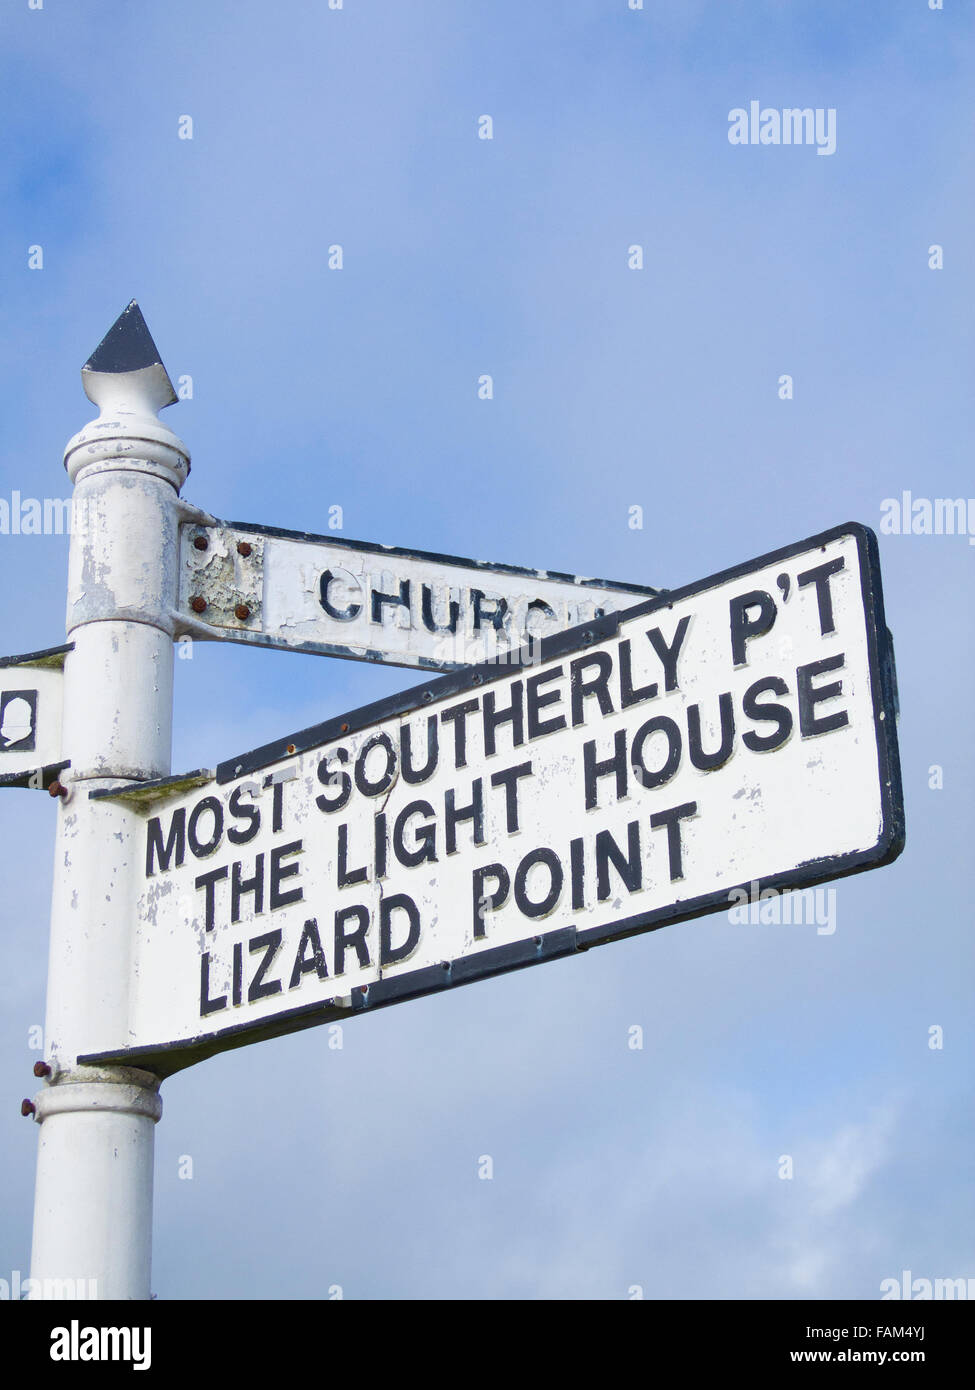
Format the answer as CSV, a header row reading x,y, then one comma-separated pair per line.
x,y
30,718
336,597
644,769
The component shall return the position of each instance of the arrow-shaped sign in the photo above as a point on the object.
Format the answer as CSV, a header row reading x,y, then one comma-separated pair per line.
x,y
30,718
335,597
736,732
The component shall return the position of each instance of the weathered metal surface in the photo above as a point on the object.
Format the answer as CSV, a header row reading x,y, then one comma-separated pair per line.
x,y
31,745
367,602
93,1206
736,732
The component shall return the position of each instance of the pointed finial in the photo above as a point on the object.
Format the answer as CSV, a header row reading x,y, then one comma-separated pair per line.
x,y
126,379
125,370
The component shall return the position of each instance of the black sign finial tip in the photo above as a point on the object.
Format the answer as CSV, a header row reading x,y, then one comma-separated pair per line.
x,y
127,346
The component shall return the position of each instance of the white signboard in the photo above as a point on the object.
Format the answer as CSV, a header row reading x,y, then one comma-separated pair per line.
x,y
376,603
736,731
30,718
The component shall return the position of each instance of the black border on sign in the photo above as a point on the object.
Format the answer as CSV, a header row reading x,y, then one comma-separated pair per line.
x,y
165,1058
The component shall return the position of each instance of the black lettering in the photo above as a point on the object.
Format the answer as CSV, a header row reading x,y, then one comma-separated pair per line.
x,y
482,609
425,848
238,978
201,848
669,654
411,774
341,615
594,768
550,859
577,870
662,724
509,780
247,812
672,819
494,718
279,898
454,814
345,876
780,715
426,612
208,882
535,702
270,944
305,963
208,1005
239,886
277,803
457,714
628,866
380,843
820,576
628,695
743,628
707,762
175,844
488,902
387,778
354,939
580,689
381,601
809,697
327,779
388,953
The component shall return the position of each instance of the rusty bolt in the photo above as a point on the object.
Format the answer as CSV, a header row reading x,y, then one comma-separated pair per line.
x,y
198,604
27,1107
242,612
345,728
41,1069
57,789
243,547
201,543
291,748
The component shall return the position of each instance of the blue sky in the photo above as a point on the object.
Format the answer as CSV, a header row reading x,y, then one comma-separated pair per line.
x,y
313,387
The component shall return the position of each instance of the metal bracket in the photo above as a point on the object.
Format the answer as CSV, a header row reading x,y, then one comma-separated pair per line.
x,y
221,579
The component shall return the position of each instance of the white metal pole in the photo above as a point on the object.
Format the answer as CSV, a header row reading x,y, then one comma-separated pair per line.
x,y
93,1199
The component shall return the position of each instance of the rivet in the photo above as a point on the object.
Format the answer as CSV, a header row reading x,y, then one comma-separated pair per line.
x,y
57,789
291,748
242,612
201,543
243,547
41,1069
345,728
198,604
27,1107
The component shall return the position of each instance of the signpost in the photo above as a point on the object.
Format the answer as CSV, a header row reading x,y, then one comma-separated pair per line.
x,y
647,765
573,788
335,597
